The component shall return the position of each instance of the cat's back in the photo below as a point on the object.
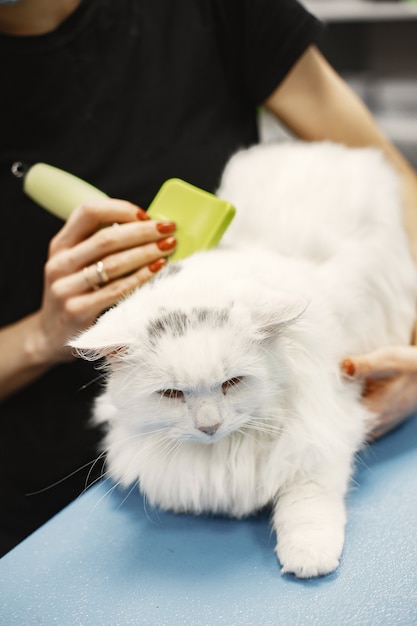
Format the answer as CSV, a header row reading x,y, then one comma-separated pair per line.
x,y
303,199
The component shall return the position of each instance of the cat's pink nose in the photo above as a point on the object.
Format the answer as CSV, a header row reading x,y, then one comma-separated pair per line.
x,y
210,430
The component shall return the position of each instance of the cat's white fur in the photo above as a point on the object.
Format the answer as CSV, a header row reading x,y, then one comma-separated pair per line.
x,y
315,266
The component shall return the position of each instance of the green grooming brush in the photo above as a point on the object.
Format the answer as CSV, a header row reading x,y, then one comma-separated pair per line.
x,y
201,217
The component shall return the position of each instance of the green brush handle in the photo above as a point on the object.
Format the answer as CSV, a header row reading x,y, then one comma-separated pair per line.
x,y
57,191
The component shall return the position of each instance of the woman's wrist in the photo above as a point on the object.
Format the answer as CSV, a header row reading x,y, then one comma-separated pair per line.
x,y
36,348
25,354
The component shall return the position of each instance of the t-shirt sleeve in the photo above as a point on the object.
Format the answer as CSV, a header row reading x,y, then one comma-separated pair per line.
x,y
267,37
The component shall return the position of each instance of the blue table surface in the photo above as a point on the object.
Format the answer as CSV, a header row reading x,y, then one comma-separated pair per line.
x,y
109,559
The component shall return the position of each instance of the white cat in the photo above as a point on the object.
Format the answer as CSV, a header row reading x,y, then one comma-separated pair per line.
x,y
224,392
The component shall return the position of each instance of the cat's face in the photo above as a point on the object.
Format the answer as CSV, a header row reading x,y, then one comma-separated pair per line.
x,y
194,376
196,371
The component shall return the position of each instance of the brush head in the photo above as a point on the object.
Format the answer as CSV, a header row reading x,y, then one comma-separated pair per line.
x,y
201,217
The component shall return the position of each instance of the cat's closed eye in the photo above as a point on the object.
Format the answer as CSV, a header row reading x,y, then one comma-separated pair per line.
x,y
232,382
177,394
172,394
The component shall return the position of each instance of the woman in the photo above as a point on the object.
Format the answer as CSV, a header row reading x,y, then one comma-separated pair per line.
x,y
125,95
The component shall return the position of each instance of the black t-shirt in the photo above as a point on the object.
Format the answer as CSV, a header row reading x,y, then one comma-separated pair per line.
x,y
125,94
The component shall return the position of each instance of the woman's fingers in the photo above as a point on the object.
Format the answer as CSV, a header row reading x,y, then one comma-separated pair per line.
x,y
128,261
87,218
389,384
383,362
108,241
116,266
122,249
392,400
85,307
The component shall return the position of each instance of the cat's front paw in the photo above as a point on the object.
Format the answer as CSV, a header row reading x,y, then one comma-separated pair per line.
x,y
310,553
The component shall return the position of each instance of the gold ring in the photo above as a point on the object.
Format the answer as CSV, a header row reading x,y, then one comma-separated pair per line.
x,y
96,275
89,280
102,275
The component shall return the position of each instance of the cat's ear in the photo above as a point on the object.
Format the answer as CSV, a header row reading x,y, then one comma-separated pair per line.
x,y
278,311
103,339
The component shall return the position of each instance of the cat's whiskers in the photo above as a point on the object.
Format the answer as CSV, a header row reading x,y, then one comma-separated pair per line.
x,y
70,475
104,474
263,428
96,379
97,460
162,449
166,447
128,493
109,491
105,453
242,430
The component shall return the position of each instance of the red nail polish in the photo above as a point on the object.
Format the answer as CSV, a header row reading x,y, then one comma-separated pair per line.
x,y
348,367
142,215
166,228
167,244
157,265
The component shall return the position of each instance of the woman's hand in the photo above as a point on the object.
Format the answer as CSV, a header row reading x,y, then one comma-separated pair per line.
x,y
89,268
390,384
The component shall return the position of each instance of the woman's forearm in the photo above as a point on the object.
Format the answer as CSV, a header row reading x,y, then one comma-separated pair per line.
x,y
24,357
316,104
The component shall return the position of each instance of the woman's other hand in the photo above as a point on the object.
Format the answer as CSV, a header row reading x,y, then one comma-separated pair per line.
x,y
390,384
